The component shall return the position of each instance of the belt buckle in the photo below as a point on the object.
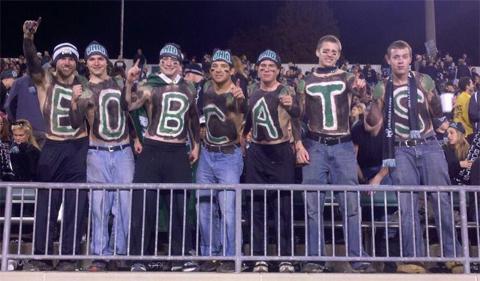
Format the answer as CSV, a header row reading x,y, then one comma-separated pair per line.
x,y
411,143
110,148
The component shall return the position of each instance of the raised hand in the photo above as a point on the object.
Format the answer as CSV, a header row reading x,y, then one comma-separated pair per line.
x,y
30,26
237,91
134,72
359,83
286,100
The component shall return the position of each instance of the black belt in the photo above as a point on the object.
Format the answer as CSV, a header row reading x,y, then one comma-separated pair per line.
x,y
328,140
227,149
412,143
109,148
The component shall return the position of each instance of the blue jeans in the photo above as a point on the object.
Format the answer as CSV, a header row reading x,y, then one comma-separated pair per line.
x,y
217,220
335,164
424,164
110,167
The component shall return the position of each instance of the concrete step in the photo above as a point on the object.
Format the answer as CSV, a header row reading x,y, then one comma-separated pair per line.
x,y
129,276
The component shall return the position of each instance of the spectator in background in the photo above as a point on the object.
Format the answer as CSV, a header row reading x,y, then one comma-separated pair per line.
x,y
431,70
46,59
6,171
22,103
466,59
24,153
462,69
474,108
193,73
417,65
370,75
456,150
207,61
356,113
460,112
7,77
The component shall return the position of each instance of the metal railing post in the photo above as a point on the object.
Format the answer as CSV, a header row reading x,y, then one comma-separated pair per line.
x,y
464,228
6,228
238,229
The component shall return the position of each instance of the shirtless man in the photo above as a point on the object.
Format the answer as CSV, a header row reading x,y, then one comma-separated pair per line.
x,y
63,156
172,115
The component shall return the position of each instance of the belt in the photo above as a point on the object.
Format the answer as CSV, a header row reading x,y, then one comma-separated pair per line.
x,y
227,149
413,143
109,148
328,140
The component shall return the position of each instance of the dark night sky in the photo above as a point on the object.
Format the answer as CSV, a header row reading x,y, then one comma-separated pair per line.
x,y
366,27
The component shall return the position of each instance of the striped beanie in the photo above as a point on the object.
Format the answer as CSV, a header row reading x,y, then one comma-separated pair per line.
x,y
171,50
222,55
95,48
269,55
64,50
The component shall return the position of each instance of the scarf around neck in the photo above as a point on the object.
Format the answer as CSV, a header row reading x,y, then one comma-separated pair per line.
x,y
389,120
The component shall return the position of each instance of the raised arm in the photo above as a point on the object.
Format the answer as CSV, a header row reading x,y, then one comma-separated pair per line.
x,y
29,50
135,99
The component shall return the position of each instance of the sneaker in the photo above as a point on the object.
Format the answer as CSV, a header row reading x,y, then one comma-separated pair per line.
x,y
475,267
37,265
286,267
177,266
411,268
159,266
66,266
260,266
190,266
97,266
226,267
454,267
209,266
312,267
138,267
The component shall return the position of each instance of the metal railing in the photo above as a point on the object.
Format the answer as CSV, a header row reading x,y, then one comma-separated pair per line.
x,y
280,213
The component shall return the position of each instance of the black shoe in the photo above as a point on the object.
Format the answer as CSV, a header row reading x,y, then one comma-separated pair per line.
x,y
37,265
138,267
159,266
226,267
66,266
97,266
209,266
475,267
313,267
